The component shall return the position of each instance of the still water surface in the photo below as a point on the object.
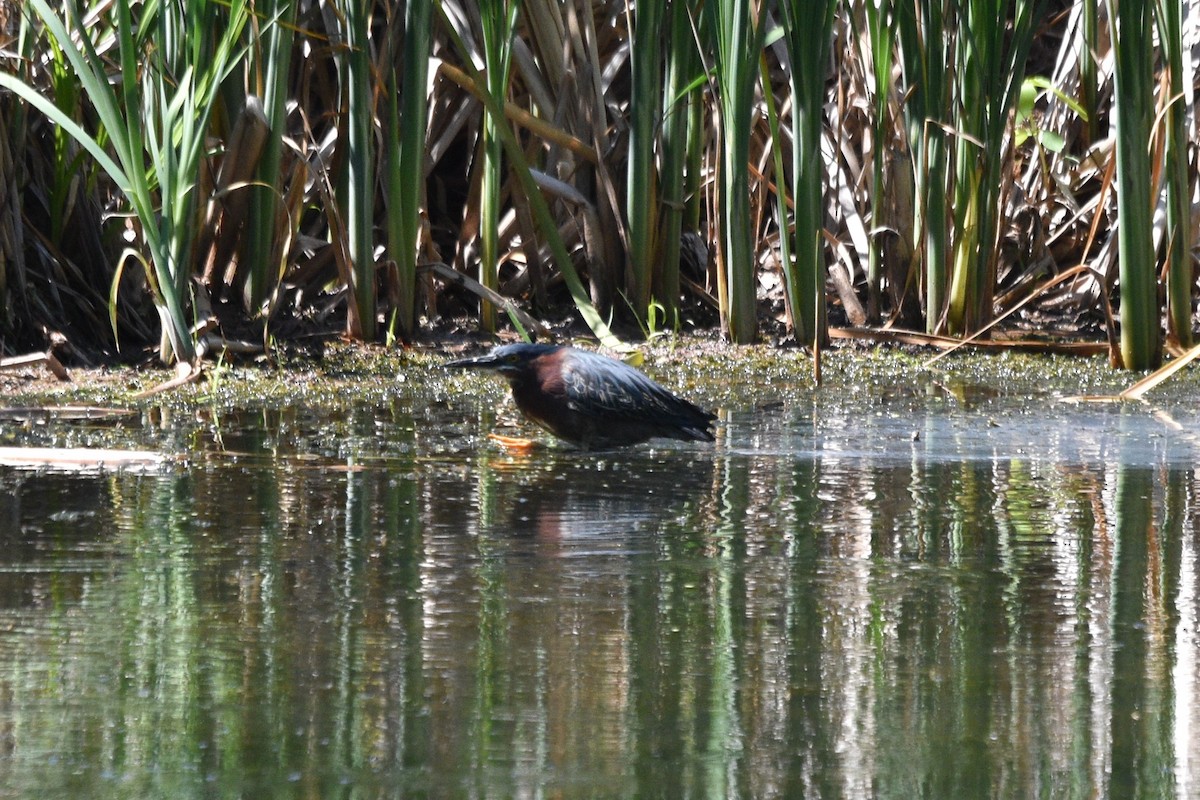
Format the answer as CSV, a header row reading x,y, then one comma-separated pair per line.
x,y
901,597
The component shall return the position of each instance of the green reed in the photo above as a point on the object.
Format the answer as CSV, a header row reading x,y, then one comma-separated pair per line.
x,y
1088,77
990,50
642,180
807,30
357,184
881,32
155,120
679,163
739,30
925,57
498,20
406,148
519,165
270,75
1131,29
1178,184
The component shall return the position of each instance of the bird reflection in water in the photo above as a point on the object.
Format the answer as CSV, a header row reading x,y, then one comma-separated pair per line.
x,y
608,503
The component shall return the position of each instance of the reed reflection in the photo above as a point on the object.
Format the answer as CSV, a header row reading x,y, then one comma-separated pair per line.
x,y
833,615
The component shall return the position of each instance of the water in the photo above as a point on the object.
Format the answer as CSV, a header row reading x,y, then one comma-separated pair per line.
x,y
900,596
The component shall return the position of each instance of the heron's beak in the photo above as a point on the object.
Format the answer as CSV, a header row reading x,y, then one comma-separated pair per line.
x,y
487,361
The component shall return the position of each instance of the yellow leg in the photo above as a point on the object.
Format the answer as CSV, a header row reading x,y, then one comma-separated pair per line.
x,y
513,444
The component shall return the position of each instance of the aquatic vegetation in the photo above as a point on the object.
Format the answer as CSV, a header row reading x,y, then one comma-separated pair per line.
x,y
296,170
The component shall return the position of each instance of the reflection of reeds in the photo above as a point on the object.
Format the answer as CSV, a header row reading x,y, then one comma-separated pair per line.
x,y
731,623
575,144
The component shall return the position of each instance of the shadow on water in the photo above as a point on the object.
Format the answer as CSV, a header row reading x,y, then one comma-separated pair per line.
x,y
923,601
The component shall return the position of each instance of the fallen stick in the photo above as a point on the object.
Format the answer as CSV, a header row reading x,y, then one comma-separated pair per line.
x,y
47,358
184,373
947,343
78,457
25,413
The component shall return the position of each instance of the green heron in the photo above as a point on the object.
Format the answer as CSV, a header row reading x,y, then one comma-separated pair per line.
x,y
590,400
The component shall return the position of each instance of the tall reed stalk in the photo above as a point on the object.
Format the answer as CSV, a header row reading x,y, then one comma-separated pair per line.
x,y
924,58
642,185
1178,187
1130,25
807,30
990,52
498,19
881,32
357,195
405,146
261,242
1088,79
680,95
494,107
13,280
740,30
64,90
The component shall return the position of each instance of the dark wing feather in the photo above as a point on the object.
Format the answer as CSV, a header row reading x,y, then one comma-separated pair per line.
x,y
612,391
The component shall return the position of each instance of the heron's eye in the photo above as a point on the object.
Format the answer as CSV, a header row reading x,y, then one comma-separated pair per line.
x,y
512,358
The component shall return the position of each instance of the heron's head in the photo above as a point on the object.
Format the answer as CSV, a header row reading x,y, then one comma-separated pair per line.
x,y
510,360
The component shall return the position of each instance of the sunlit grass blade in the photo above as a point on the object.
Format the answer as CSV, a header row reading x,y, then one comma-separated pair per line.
x,y
156,125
